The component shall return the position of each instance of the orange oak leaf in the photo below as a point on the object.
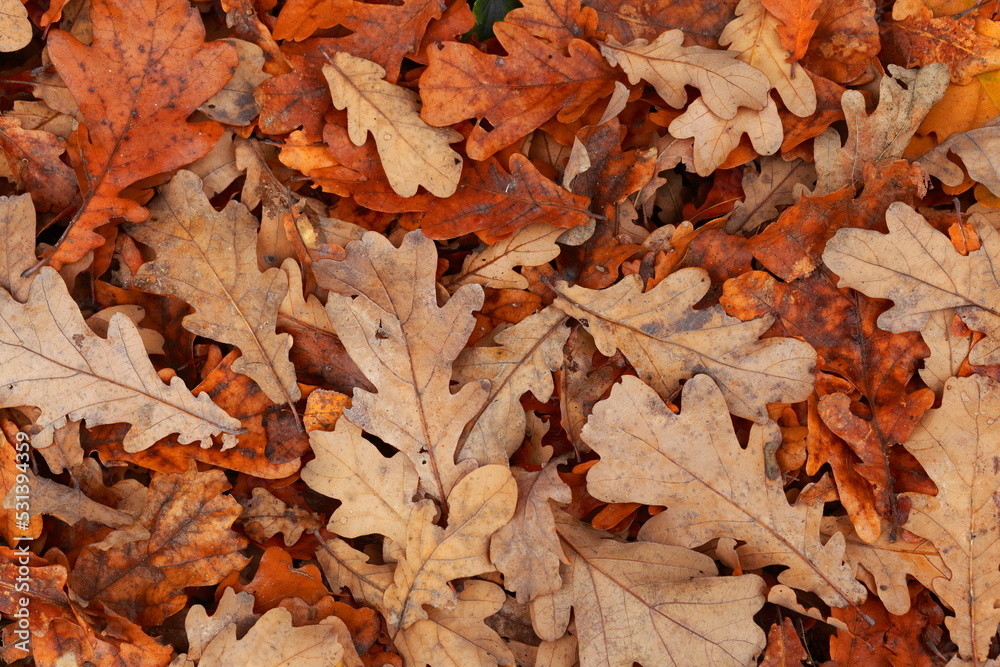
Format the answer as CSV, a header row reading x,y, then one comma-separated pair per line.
x,y
154,70
494,203
516,93
797,23
190,544
645,19
33,158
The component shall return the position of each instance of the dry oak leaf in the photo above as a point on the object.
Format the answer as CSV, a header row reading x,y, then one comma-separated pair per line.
x,y
845,42
645,19
191,543
376,492
797,24
919,269
480,504
33,159
412,152
883,134
515,93
17,229
784,646
519,359
656,604
754,36
405,345
458,637
235,103
232,609
779,183
265,515
725,82
713,488
949,349
889,563
346,566
556,21
274,642
15,28
155,70
493,265
667,341
493,202
209,259
298,19
53,361
527,550
919,41
301,97
979,150
958,445
716,137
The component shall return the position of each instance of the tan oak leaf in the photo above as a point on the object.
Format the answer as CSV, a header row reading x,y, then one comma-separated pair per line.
x,y
712,487
209,259
412,152
715,137
668,341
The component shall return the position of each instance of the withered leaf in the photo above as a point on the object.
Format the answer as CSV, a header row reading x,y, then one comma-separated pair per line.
x,y
53,361
668,341
190,544
694,464
412,152
155,70
667,595
209,259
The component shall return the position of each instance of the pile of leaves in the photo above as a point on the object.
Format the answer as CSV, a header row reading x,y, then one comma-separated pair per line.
x,y
565,332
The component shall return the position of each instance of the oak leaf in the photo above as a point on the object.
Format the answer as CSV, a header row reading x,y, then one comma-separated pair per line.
x,y
494,202
978,149
713,488
845,41
797,23
345,566
645,19
458,637
958,446
754,35
716,137
405,345
515,93
209,259
493,265
376,493
233,609
725,82
154,59
412,152
883,134
265,515
191,544
667,341
527,549
635,602
481,502
273,640
298,19
15,28
919,41
520,359
53,361
778,183
919,269
33,159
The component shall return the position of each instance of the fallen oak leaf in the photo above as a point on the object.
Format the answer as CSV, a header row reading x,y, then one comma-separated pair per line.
x,y
412,152
155,71
405,344
919,269
725,82
516,93
754,35
651,603
481,503
797,23
376,493
667,341
958,445
191,543
209,259
15,28
716,137
493,265
693,463
52,360
493,202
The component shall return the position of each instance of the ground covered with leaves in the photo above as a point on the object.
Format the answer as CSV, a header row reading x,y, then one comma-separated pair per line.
x,y
557,333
